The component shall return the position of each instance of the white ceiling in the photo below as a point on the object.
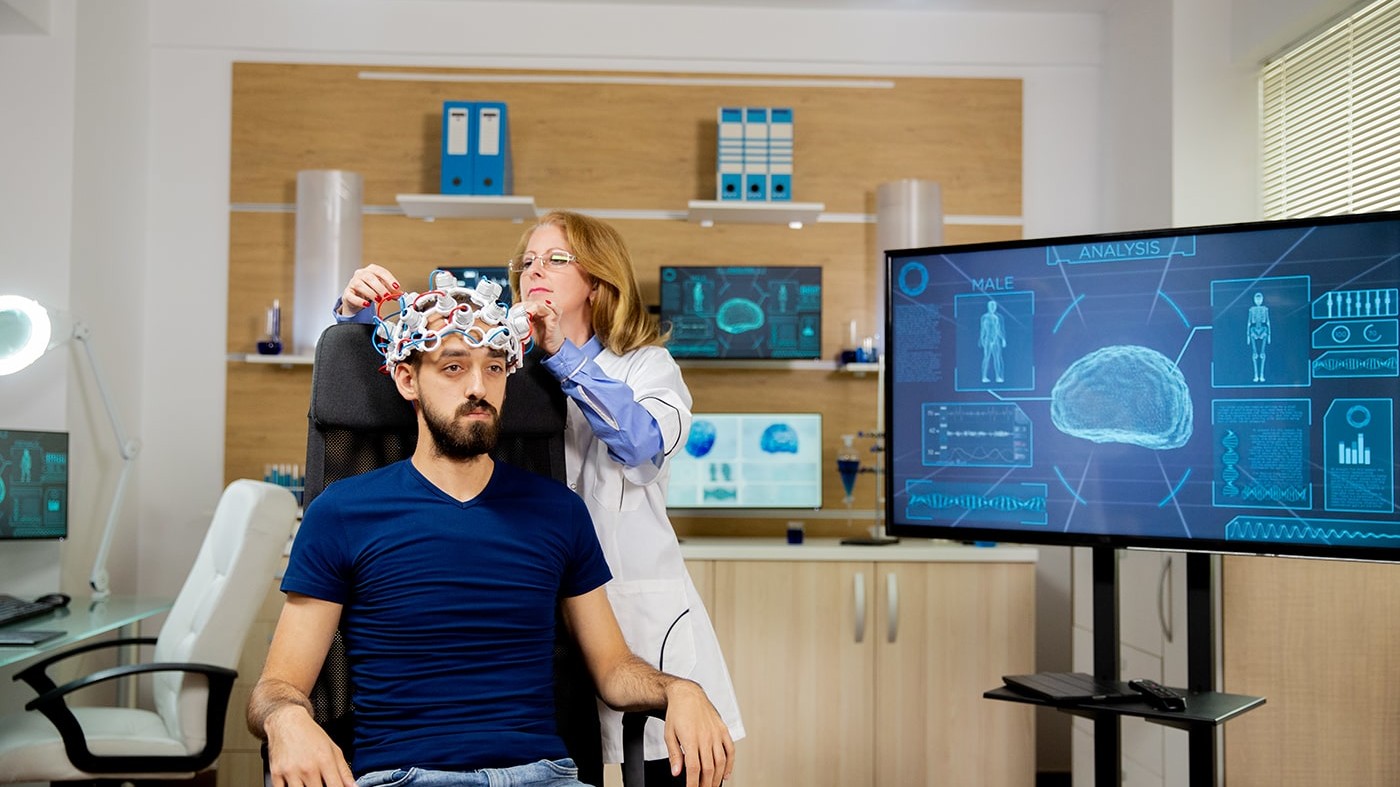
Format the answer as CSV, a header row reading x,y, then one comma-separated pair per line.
x,y
1030,6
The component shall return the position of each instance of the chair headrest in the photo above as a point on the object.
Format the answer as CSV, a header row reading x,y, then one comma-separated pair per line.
x,y
348,390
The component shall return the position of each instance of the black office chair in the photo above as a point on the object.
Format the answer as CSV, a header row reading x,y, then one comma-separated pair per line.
x,y
357,422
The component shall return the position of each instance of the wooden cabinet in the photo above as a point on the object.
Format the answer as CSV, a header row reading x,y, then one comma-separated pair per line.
x,y
804,681
946,632
866,673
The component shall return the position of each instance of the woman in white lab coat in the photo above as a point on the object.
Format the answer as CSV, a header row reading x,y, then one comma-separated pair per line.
x,y
628,412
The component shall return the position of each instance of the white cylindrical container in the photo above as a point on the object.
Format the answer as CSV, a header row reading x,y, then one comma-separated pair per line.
x,y
329,202
908,215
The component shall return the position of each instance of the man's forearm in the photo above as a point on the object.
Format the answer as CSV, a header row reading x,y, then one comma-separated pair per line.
x,y
633,684
270,696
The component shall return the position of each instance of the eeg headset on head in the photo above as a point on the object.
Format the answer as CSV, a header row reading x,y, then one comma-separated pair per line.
x,y
473,314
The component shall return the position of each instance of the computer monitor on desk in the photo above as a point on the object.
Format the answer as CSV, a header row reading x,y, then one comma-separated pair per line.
x,y
33,484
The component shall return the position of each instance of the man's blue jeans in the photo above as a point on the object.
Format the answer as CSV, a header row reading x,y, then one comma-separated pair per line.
x,y
545,773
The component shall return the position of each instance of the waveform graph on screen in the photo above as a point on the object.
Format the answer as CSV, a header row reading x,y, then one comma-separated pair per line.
x,y
1197,388
995,434
1021,504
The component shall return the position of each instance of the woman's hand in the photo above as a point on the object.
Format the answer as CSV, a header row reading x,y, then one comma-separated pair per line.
x,y
544,325
367,286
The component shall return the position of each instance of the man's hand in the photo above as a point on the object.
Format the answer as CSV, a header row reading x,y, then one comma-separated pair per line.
x,y
696,738
367,286
300,754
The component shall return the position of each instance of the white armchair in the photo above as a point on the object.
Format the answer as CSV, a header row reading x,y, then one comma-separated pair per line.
x,y
192,664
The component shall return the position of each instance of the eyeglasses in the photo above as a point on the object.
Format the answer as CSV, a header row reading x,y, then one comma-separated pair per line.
x,y
553,259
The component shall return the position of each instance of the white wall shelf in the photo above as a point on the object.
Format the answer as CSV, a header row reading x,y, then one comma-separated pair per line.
x,y
287,361
858,369
793,214
463,206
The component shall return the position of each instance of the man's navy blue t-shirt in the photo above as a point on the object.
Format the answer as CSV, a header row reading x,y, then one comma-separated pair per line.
x,y
449,610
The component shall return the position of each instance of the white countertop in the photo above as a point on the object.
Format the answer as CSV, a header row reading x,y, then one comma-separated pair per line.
x,y
908,550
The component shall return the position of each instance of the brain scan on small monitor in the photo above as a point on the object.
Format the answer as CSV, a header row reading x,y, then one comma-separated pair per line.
x,y
749,460
742,312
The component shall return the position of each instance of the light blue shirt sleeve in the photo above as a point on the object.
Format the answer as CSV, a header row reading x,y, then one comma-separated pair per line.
x,y
365,315
624,425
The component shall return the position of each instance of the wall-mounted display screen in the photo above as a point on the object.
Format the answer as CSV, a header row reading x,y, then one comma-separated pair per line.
x,y
742,312
1227,389
749,460
33,484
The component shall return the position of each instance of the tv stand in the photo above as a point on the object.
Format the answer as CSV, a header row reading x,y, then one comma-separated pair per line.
x,y
1206,709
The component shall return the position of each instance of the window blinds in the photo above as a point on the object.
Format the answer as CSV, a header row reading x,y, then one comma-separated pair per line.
x,y
1331,119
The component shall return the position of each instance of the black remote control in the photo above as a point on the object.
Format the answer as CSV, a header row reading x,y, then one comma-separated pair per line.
x,y
1157,695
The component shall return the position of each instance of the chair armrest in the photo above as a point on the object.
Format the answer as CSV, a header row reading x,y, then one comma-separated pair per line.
x,y
634,726
51,703
36,674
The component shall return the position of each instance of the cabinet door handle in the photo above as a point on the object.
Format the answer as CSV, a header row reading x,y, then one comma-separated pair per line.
x,y
1164,598
892,597
860,606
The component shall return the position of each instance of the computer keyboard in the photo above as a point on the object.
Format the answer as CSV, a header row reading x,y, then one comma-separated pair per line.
x,y
13,610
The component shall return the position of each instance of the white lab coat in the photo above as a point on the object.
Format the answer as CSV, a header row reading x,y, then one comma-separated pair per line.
x,y
651,588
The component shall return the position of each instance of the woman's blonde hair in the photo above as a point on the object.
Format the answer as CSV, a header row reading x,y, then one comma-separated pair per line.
x,y
618,316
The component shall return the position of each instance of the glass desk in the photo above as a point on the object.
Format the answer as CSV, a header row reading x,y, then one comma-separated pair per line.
x,y
84,619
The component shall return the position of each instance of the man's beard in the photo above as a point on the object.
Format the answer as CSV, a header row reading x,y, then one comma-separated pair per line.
x,y
468,440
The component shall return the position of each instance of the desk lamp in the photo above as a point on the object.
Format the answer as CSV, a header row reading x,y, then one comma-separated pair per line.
x,y
26,333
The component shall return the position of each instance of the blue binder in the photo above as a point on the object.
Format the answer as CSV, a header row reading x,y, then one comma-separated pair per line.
x,y
756,154
492,149
780,154
729,155
457,176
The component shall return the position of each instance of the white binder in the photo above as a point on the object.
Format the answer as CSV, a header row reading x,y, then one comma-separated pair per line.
x,y
780,154
756,154
729,154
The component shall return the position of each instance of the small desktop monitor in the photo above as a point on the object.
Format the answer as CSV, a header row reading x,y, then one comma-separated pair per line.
x,y
1224,389
749,460
743,312
469,276
33,484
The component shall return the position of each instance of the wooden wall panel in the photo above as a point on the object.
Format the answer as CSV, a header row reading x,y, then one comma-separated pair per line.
x,y
605,146
626,146
265,418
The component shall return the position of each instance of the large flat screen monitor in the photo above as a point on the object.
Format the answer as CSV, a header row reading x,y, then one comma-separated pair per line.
x,y
743,312
1223,389
33,484
749,460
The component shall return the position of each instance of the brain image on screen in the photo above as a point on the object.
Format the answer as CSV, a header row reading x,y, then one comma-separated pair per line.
x,y
778,439
739,315
1124,394
701,438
